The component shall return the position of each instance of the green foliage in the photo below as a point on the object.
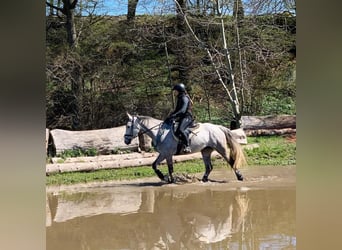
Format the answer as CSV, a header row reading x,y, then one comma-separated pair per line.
x,y
121,66
277,104
78,152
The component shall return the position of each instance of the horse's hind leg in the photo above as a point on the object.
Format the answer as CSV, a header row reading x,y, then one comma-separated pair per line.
x,y
206,154
238,175
224,152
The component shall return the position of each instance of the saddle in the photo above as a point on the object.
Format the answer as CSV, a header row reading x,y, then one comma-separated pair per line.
x,y
191,129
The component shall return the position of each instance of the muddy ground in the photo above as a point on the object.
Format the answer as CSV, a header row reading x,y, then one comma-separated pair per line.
x,y
255,177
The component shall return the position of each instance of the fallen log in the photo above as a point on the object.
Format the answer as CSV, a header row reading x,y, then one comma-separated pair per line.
x,y
114,157
268,122
266,132
118,161
105,141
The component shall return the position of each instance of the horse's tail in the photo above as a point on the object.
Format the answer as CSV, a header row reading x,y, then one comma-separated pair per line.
x,y
237,155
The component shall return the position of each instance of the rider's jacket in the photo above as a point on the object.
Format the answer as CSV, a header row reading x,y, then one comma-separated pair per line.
x,y
183,106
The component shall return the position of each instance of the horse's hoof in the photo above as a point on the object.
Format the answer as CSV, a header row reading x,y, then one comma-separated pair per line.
x,y
169,179
239,175
205,179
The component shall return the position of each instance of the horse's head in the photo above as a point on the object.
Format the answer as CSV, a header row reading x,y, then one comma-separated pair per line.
x,y
132,128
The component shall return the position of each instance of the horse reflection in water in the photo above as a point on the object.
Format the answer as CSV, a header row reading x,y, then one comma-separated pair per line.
x,y
168,219
208,137
206,228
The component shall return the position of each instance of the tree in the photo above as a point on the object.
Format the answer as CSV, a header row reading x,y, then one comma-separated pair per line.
x,y
181,51
271,6
238,10
132,6
68,10
228,86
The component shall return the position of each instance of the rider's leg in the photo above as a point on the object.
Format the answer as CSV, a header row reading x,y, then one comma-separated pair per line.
x,y
183,124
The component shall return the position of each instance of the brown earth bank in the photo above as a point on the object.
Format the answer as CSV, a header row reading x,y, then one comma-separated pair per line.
x,y
221,179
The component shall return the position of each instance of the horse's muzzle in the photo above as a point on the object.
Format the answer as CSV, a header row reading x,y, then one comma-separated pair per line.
x,y
128,139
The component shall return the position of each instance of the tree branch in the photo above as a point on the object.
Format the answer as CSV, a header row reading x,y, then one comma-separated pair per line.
x,y
54,7
73,4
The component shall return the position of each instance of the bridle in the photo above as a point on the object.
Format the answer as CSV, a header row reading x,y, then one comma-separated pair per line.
x,y
146,129
130,123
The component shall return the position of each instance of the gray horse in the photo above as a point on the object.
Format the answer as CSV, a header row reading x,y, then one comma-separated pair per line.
x,y
206,138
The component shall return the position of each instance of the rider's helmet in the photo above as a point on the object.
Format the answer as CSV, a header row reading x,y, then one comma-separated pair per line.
x,y
179,87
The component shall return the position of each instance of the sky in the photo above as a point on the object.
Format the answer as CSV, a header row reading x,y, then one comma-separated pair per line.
x,y
119,7
150,7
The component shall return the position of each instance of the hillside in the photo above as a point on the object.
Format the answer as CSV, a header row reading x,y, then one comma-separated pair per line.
x,y
121,66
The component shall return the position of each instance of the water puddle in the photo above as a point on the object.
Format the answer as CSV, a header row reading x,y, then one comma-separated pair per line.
x,y
213,215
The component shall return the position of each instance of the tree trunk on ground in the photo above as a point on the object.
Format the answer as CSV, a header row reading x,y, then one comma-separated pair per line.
x,y
105,141
118,161
260,132
268,122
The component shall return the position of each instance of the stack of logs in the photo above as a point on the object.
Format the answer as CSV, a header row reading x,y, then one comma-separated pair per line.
x,y
269,125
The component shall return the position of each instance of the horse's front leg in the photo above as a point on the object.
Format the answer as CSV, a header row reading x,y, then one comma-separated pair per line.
x,y
155,164
170,168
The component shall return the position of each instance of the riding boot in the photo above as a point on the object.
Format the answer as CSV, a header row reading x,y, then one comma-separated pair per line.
x,y
187,149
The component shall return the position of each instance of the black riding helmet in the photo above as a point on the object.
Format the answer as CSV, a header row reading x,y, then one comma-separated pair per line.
x,y
179,87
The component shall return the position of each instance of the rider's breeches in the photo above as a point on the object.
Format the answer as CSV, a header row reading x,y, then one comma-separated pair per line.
x,y
183,124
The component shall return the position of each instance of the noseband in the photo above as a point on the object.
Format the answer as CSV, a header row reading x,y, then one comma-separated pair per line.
x,y
131,124
146,129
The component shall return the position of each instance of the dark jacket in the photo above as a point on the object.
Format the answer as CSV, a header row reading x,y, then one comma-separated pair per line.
x,y
183,106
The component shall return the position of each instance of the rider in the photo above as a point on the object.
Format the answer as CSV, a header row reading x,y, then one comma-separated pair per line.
x,y
182,114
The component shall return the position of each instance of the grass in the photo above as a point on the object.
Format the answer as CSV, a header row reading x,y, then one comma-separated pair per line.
x,y
272,150
193,166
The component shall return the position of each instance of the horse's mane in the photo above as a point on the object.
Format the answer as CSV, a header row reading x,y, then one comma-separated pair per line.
x,y
145,118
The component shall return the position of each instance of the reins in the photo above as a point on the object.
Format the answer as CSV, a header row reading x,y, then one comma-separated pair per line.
x,y
148,129
143,126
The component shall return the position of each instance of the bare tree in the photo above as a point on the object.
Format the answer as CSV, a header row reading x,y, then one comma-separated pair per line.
x,y
271,6
68,10
132,6
229,86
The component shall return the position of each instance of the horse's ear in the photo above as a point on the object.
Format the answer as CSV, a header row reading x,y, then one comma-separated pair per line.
x,y
129,116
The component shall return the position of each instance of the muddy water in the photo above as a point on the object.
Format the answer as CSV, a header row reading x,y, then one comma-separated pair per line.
x,y
147,214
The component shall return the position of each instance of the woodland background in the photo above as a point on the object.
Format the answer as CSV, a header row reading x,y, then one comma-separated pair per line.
x,y
99,66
